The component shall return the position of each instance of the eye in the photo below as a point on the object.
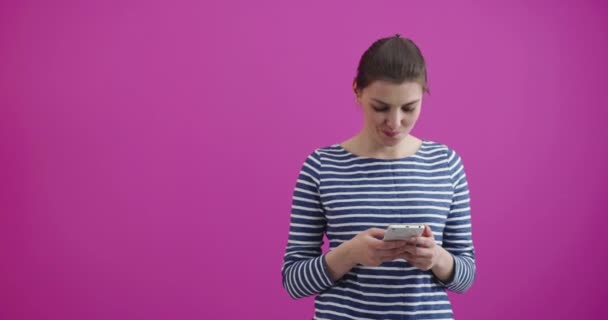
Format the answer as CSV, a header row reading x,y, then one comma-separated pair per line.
x,y
380,109
409,108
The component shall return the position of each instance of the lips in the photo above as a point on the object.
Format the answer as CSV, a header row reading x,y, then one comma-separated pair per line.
x,y
390,133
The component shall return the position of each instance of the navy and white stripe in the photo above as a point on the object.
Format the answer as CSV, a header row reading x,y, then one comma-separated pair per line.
x,y
341,194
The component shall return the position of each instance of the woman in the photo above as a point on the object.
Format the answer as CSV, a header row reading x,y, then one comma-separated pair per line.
x,y
383,175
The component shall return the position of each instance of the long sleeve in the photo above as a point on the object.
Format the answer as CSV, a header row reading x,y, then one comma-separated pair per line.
x,y
457,238
304,268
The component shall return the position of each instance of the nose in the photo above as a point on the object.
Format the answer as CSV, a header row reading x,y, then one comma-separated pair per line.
x,y
394,119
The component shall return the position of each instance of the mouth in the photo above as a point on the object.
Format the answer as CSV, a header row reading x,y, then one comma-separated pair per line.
x,y
390,134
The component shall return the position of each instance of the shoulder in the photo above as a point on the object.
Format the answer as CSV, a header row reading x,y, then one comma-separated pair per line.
x,y
453,162
331,149
451,156
315,157
434,146
334,151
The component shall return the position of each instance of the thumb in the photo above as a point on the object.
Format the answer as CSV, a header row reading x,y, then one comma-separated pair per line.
x,y
427,232
376,232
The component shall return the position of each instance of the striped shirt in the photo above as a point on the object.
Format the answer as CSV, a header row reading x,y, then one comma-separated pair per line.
x,y
340,194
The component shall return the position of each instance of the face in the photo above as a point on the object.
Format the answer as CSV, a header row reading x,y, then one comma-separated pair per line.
x,y
390,110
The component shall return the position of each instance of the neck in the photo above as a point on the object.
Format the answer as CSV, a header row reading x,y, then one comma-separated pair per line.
x,y
367,146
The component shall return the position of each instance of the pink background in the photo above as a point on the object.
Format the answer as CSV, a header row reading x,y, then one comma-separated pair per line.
x,y
149,149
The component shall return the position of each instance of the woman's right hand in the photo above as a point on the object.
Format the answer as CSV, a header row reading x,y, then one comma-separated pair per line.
x,y
367,248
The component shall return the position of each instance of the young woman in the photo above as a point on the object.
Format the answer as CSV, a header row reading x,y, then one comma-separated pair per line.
x,y
383,175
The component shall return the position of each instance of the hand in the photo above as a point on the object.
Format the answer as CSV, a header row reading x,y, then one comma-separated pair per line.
x,y
367,249
422,252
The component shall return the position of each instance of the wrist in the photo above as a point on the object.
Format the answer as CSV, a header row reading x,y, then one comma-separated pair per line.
x,y
444,257
339,260
348,253
444,267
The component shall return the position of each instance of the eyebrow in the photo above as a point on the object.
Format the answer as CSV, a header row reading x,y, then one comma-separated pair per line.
x,y
405,104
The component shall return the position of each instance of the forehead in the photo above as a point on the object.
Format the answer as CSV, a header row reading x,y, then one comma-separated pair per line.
x,y
393,93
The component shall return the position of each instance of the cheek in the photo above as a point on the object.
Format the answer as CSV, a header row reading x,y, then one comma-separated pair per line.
x,y
379,119
374,118
411,120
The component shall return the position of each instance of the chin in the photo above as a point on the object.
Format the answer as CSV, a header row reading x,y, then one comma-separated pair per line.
x,y
390,142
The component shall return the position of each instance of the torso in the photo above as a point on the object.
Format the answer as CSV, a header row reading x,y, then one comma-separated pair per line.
x,y
358,193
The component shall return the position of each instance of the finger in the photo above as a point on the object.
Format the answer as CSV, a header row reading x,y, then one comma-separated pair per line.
x,y
412,241
419,252
405,254
416,263
373,238
428,232
410,248
409,258
392,244
396,251
425,242
423,253
390,251
388,257
393,252
392,255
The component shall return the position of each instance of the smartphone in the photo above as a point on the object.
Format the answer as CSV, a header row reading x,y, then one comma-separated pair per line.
x,y
403,231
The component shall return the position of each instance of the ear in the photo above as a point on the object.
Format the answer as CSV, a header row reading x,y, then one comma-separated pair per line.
x,y
357,92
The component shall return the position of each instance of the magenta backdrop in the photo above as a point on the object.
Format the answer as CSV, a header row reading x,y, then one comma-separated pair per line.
x,y
149,149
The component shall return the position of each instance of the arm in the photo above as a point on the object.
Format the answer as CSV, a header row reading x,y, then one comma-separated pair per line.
x,y
457,238
304,268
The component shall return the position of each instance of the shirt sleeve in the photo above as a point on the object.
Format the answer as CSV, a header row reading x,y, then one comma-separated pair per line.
x,y
304,268
457,237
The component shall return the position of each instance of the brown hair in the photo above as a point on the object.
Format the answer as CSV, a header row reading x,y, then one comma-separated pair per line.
x,y
393,59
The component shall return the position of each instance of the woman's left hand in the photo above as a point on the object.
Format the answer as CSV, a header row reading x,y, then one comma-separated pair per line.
x,y
422,252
